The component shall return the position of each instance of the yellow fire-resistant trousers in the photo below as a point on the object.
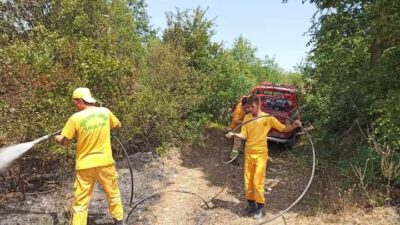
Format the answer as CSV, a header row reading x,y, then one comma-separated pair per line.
x,y
254,176
83,188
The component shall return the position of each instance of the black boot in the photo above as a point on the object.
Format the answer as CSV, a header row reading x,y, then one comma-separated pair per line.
x,y
119,222
250,208
259,212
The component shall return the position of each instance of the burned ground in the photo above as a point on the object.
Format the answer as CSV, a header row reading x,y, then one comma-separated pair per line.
x,y
196,170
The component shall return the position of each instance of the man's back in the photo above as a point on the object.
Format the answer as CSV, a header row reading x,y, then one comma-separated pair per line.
x,y
91,127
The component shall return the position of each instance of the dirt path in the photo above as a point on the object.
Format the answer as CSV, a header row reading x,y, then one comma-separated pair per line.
x,y
199,171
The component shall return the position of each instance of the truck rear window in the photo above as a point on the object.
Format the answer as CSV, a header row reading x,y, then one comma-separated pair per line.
x,y
277,104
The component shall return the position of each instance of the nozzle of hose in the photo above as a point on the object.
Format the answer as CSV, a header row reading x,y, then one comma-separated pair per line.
x,y
46,137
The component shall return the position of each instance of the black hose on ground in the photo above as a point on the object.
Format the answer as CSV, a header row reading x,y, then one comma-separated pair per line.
x,y
163,192
126,156
305,189
134,206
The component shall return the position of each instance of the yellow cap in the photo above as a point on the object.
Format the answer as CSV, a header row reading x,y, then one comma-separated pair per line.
x,y
83,93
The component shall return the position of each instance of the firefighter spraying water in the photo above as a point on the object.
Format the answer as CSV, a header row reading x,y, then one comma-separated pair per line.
x,y
94,162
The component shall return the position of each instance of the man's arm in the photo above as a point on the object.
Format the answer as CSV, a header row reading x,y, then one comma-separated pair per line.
x,y
293,126
231,134
59,139
67,134
119,125
114,121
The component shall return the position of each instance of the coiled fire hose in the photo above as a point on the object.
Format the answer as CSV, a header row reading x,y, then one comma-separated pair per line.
x,y
265,221
309,181
305,189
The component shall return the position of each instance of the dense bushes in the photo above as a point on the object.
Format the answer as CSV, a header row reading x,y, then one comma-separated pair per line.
x,y
353,82
164,89
169,93
69,44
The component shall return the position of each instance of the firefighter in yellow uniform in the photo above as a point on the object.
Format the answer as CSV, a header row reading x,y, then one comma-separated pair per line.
x,y
94,162
256,153
237,119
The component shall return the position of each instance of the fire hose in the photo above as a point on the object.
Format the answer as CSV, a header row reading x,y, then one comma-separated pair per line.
x,y
305,189
309,181
46,137
126,156
21,148
137,203
134,206
124,152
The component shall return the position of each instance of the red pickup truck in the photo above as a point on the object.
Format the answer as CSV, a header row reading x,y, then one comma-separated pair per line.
x,y
280,101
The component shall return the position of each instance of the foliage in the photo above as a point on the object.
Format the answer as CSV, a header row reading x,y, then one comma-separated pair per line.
x,y
163,89
169,92
143,27
70,44
231,73
352,78
191,30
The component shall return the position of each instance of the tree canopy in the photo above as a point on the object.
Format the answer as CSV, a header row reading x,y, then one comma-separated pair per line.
x,y
353,81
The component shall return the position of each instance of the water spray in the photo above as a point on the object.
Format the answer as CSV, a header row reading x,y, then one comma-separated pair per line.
x,y
10,153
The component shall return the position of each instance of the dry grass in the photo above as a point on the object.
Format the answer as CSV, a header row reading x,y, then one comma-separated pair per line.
x,y
351,215
199,171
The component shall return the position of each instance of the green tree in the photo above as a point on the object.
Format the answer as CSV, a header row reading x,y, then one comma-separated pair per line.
x,y
352,78
191,30
68,44
242,51
143,26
